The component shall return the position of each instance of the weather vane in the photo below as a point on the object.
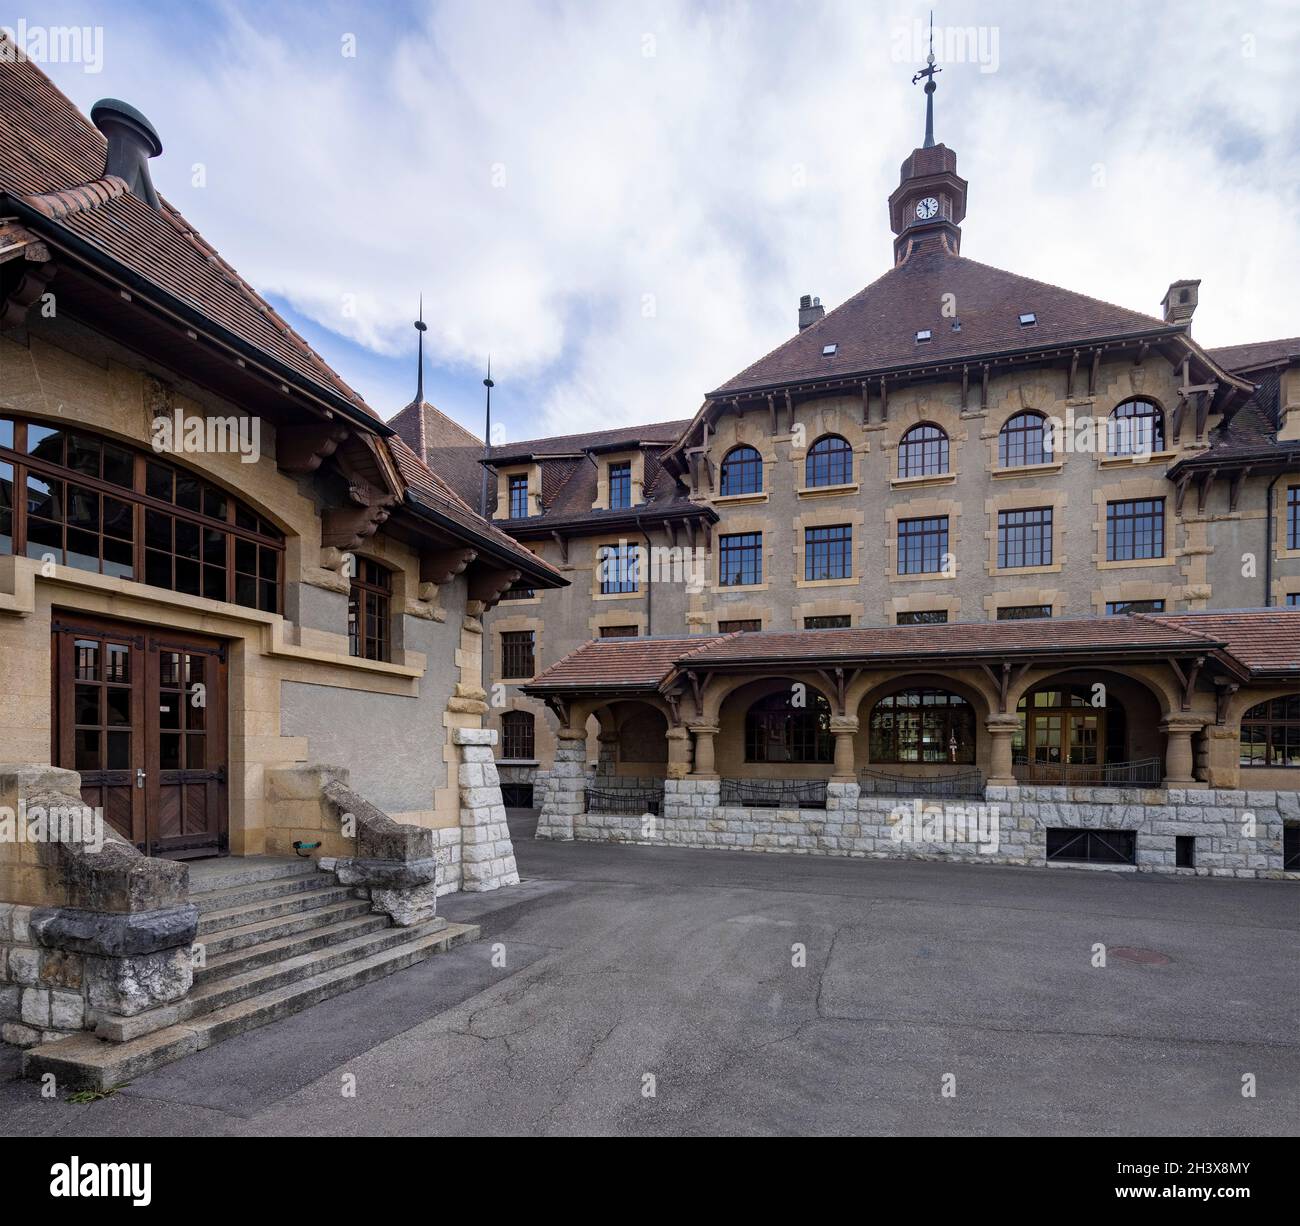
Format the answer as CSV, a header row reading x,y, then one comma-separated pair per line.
x,y
928,73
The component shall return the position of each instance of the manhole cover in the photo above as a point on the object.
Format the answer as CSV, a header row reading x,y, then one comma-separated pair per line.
x,y
1148,957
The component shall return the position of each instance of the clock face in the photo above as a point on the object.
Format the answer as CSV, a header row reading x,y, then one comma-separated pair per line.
x,y
927,208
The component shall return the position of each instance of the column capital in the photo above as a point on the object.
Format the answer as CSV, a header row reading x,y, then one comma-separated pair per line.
x,y
705,729
844,723
1183,723
1002,725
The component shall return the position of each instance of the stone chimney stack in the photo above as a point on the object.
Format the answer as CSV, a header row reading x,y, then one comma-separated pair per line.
x,y
810,311
1179,302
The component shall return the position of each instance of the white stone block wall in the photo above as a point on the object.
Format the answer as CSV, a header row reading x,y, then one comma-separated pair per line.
x,y
42,991
562,806
487,855
1238,833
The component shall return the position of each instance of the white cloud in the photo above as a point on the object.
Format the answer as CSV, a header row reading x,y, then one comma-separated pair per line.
x,y
547,173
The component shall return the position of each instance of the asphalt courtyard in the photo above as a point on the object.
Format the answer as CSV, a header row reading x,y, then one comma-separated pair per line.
x,y
654,991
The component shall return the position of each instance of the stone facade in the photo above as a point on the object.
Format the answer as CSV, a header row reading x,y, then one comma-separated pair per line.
x,y
1237,833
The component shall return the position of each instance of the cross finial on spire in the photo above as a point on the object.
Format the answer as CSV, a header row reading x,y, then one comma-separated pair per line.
x,y
928,73
421,327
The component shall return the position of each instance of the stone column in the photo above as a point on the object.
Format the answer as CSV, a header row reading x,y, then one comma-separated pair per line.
x,y
487,855
564,795
1001,729
704,734
607,753
845,728
1178,750
679,753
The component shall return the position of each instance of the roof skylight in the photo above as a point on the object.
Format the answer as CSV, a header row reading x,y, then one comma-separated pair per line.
x,y
829,351
1028,319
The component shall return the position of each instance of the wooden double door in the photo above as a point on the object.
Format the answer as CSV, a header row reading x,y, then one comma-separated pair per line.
x,y
141,713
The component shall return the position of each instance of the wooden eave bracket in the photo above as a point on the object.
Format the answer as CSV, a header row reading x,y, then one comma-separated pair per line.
x,y
487,583
303,449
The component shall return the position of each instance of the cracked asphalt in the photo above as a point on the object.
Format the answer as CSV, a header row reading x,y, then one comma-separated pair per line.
x,y
655,991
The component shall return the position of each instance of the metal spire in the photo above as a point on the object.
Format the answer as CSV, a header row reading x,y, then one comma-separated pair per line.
x,y
928,73
421,327
487,441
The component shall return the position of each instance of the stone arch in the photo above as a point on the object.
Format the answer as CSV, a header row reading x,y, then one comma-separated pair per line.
x,y
963,686
719,688
734,706
1157,679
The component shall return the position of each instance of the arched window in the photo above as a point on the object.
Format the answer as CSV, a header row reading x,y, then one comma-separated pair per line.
x,y
517,735
742,471
369,599
88,502
922,725
923,452
1023,440
1270,733
776,730
829,462
1135,427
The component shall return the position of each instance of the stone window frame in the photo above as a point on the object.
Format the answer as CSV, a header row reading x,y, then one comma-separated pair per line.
x,y
1282,547
757,549
1137,589
993,435
1026,500
1158,414
738,525
828,517
520,714
829,606
846,451
739,612
841,416
903,419
922,508
1015,597
370,578
533,472
615,617
599,543
1129,490
943,444
756,465
634,457
922,602
510,625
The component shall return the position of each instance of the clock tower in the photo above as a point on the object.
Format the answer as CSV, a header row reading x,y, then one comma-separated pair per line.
x,y
927,207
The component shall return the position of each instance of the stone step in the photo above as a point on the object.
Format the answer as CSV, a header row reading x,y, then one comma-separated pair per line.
x,y
281,926
229,989
269,908
240,895
237,870
85,1062
246,959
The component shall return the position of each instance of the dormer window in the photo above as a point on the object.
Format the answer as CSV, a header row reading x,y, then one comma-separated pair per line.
x,y
1028,319
620,485
518,495
923,335
829,351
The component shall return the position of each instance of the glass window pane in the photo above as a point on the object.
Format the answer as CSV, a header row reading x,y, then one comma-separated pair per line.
x,y
158,481
189,492
119,751
157,568
83,455
85,704
158,531
169,751
86,749
119,466
187,539
83,550
45,443
117,704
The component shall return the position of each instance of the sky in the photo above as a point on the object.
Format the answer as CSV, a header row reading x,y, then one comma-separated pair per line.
x,y
622,202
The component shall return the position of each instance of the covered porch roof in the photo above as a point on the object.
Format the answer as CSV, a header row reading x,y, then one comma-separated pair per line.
x,y
1241,646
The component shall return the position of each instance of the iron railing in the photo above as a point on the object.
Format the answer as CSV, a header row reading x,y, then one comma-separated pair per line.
x,y
623,800
774,793
1102,775
886,783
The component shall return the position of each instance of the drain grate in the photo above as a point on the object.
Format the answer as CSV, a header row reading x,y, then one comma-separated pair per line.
x,y
1146,957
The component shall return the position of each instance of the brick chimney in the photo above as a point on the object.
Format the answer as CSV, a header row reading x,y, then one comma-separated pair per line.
x,y
810,311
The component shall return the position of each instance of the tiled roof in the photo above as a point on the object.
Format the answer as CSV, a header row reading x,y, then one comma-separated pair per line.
x,y
52,158
634,663
876,328
1048,635
1257,353
567,444
1261,640
430,491
1265,640
445,445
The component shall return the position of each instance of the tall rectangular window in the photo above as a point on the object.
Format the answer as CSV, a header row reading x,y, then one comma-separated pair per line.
x,y
922,545
828,552
740,559
519,496
619,569
1135,529
368,611
1025,538
517,653
620,486
1293,517
517,735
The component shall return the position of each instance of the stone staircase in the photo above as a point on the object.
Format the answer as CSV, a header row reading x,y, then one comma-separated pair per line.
x,y
277,938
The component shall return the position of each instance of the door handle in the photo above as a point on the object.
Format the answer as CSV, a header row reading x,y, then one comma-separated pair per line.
x,y
139,776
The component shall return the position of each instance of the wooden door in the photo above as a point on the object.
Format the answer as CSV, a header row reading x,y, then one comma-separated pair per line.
x,y
142,714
